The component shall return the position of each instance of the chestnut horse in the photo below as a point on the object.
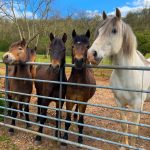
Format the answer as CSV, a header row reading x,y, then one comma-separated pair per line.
x,y
79,74
51,72
18,55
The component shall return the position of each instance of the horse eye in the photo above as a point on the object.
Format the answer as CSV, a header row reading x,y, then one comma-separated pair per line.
x,y
20,48
114,31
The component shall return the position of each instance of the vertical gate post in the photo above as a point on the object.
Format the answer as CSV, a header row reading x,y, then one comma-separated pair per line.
x,y
6,90
60,101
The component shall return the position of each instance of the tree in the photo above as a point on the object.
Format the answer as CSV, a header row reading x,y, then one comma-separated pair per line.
x,y
29,16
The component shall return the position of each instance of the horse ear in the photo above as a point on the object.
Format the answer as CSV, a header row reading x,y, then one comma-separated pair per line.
x,y
88,33
104,15
51,36
23,42
74,33
64,38
118,13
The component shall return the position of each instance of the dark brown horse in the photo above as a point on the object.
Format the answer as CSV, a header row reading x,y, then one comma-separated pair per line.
x,y
79,74
18,55
51,72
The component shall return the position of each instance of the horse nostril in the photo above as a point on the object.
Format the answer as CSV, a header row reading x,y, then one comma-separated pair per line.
x,y
94,53
81,60
5,57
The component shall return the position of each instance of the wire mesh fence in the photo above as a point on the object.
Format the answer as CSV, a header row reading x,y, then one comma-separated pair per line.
x,y
99,128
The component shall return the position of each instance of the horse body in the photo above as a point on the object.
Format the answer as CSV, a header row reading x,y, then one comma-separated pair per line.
x,y
84,76
18,54
52,73
79,74
130,79
116,40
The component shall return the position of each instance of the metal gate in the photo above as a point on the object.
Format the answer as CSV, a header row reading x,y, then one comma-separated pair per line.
x,y
94,132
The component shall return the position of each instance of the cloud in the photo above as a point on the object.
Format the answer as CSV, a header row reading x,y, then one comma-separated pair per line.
x,y
136,5
18,11
91,14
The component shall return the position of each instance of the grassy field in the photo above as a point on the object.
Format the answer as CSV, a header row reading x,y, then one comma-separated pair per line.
x,y
42,58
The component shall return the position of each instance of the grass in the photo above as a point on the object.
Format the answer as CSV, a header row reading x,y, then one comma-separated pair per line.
x,y
6,143
4,138
42,58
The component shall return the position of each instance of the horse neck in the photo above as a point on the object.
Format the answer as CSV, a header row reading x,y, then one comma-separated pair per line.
x,y
63,69
22,70
79,73
121,60
126,60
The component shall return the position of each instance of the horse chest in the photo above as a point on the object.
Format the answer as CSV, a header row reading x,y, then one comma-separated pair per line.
x,y
80,92
128,80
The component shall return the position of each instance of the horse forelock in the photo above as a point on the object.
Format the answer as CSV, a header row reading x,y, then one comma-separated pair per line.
x,y
81,39
129,44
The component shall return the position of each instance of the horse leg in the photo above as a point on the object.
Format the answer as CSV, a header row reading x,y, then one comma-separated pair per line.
x,y
28,125
136,119
14,115
39,109
9,105
75,116
57,116
69,106
21,109
124,127
42,121
82,109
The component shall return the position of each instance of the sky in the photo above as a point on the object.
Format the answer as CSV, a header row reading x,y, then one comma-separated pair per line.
x,y
95,7
91,8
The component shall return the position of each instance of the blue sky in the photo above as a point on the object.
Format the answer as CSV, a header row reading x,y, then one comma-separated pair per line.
x,y
97,6
90,8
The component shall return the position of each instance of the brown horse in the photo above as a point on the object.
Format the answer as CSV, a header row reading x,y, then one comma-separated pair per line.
x,y
51,72
18,55
79,74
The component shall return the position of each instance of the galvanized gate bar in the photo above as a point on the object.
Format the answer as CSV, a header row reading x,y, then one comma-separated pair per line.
x,y
60,110
83,85
100,117
71,132
76,123
79,102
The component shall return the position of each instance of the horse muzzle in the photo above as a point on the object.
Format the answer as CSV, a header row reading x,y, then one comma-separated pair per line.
x,y
54,68
79,63
94,58
8,58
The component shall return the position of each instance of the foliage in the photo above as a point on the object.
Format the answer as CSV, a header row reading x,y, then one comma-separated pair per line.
x,y
139,21
143,39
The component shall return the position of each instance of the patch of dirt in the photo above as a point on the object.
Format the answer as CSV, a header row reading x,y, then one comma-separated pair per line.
x,y
25,141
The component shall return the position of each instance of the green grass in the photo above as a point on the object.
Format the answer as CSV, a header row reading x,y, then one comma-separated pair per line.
x,y
42,58
4,138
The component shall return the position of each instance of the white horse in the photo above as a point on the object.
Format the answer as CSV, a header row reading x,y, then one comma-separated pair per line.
x,y
116,39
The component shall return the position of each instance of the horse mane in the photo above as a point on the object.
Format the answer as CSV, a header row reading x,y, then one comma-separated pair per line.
x,y
15,44
129,44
